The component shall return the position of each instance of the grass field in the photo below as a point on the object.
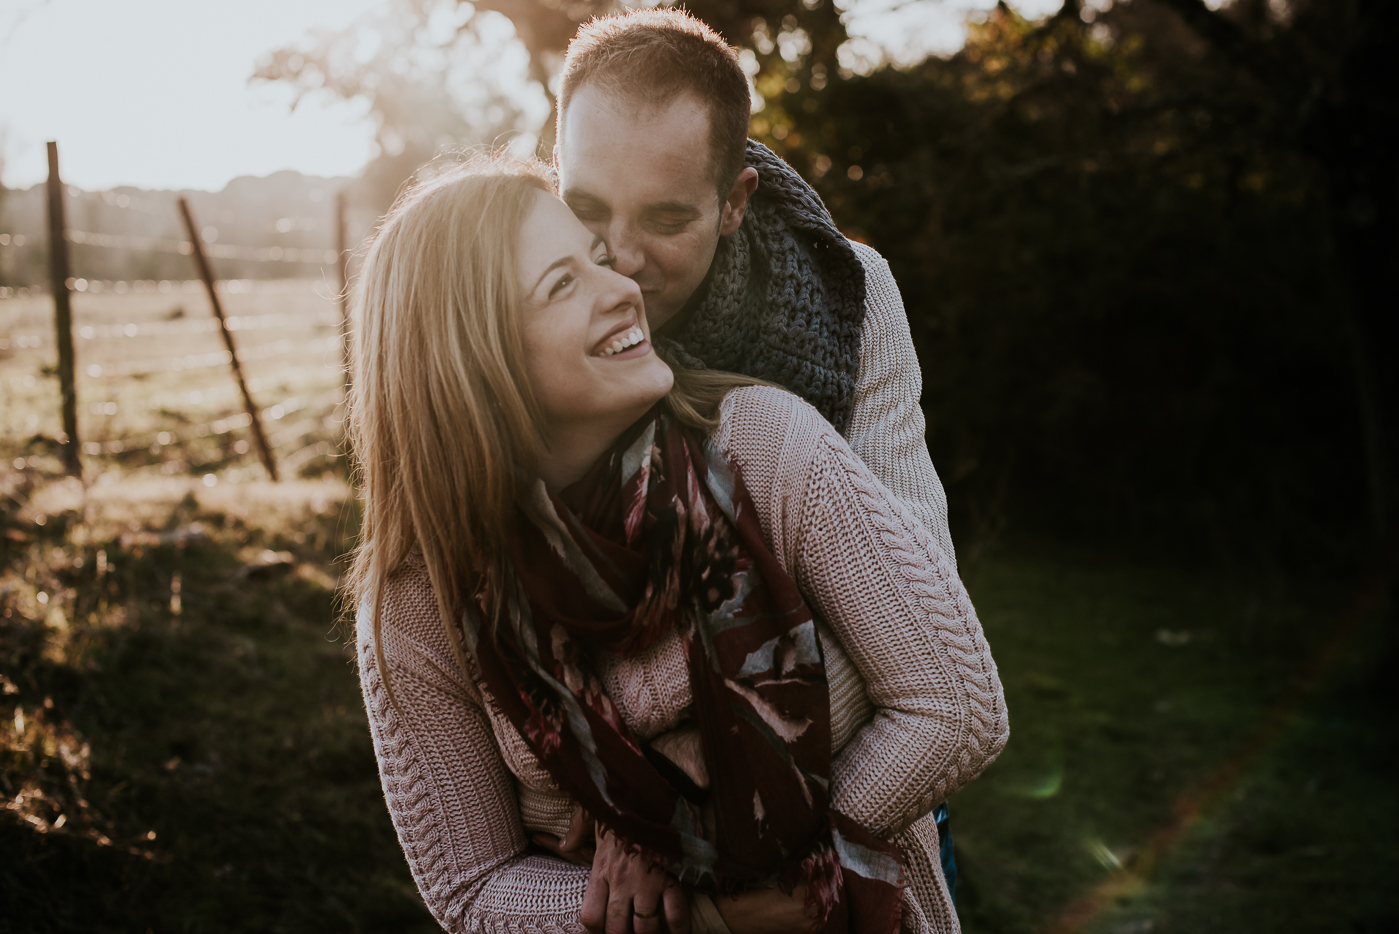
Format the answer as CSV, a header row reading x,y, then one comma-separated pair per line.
x,y
183,746
155,389
1188,753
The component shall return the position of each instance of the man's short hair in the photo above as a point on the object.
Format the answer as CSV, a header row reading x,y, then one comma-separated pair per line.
x,y
653,56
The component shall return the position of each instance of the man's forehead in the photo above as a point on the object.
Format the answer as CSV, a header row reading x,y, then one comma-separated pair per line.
x,y
678,106
655,152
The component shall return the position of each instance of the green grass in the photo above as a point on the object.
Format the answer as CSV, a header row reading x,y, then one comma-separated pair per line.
x,y
233,731
1138,695
213,767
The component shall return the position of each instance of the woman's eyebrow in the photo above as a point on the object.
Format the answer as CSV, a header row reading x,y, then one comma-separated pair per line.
x,y
562,261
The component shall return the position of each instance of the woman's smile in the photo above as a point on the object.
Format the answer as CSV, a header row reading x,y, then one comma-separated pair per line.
x,y
625,342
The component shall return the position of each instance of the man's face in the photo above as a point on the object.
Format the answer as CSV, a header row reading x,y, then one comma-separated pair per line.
x,y
640,177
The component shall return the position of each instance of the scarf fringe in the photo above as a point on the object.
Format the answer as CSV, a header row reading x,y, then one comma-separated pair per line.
x,y
824,882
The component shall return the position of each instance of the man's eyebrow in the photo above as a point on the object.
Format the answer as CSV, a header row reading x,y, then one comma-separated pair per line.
x,y
673,207
561,261
574,194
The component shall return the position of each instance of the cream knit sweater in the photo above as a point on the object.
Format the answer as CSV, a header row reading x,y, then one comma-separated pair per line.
x,y
916,704
886,428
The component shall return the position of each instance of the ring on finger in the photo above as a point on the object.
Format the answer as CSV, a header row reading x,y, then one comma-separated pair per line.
x,y
644,915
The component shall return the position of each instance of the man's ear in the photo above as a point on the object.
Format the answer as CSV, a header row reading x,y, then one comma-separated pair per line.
x,y
736,204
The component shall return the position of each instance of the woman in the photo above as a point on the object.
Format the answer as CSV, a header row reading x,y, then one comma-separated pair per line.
x,y
675,599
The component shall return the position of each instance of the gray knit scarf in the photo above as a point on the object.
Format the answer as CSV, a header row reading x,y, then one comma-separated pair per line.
x,y
785,297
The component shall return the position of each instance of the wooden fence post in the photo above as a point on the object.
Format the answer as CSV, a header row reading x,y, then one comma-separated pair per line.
x,y
62,315
205,273
343,252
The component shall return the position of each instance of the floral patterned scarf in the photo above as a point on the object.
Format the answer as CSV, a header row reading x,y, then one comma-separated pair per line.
x,y
661,535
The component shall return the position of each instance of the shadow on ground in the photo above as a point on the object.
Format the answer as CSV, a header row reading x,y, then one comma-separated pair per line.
x,y
188,749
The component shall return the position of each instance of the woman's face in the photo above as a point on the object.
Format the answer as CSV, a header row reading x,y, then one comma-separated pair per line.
x,y
587,344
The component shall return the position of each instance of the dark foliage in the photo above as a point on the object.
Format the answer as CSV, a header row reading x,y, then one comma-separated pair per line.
x,y
1118,255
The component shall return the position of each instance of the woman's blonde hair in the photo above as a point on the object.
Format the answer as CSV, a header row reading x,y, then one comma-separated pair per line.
x,y
443,421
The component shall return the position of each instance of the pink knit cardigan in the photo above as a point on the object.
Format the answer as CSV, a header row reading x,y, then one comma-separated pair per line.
x,y
917,707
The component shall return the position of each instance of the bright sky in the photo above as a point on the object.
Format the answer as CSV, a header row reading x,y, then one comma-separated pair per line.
x,y
907,30
155,93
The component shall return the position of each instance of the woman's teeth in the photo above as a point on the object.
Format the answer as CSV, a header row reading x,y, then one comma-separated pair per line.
x,y
628,339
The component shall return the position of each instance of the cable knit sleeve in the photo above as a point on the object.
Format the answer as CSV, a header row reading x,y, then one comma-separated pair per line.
x,y
889,593
450,795
887,429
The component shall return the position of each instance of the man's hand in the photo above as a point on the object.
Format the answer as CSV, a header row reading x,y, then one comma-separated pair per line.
x,y
628,895
577,845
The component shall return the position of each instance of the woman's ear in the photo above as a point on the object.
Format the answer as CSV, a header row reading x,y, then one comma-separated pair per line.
x,y
736,204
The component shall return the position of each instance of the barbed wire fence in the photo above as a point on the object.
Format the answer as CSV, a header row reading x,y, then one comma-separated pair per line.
x,y
315,433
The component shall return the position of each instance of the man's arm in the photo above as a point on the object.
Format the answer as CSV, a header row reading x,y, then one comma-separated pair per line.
x,y
886,427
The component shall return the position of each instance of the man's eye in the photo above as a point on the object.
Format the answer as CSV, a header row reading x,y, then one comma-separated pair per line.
x,y
670,226
564,282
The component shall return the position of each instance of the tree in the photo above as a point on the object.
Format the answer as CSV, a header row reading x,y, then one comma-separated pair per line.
x,y
431,81
1117,274
433,74
1147,247
1323,78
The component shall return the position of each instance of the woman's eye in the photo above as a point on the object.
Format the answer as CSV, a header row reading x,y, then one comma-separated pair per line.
x,y
608,260
563,283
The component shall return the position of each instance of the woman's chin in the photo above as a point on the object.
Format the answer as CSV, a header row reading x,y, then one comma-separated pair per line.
x,y
646,381
614,395
649,394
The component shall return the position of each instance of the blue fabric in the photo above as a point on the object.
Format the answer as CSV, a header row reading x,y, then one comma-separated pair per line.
x,y
945,854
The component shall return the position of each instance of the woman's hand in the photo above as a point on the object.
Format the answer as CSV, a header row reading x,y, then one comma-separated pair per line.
x,y
766,911
626,893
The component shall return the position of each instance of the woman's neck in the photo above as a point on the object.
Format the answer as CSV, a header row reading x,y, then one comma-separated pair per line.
x,y
570,450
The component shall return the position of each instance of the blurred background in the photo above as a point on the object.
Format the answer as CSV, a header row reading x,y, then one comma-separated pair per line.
x,y
1148,253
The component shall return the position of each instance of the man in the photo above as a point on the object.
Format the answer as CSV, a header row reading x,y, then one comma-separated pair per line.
x,y
757,279
738,260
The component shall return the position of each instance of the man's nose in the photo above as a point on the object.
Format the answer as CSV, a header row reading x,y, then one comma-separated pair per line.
x,y
628,256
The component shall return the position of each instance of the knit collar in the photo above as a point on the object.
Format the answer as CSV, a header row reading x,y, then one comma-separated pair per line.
x,y
784,299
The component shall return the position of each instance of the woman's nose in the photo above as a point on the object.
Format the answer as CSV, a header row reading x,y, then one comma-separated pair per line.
x,y
619,293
